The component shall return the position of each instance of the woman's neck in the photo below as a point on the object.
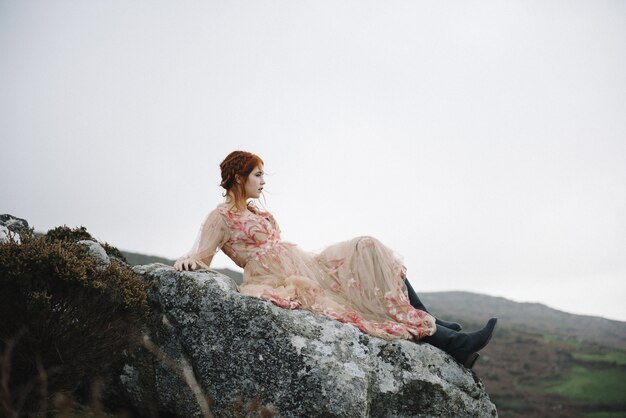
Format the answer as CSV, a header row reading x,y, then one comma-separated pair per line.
x,y
241,206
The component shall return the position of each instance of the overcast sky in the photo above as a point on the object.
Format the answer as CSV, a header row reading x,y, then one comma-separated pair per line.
x,y
485,142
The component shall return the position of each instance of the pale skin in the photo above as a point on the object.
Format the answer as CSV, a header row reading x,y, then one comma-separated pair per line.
x,y
252,185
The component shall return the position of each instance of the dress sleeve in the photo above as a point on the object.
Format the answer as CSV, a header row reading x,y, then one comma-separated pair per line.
x,y
212,236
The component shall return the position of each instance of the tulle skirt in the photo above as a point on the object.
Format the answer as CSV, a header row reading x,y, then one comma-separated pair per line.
x,y
359,281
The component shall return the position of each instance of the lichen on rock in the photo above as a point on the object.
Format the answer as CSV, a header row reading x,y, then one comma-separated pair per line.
x,y
304,364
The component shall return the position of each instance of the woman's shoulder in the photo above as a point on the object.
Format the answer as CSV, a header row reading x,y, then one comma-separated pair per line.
x,y
225,210
221,207
230,212
261,212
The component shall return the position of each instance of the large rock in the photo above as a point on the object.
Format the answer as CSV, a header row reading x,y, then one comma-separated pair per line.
x,y
305,365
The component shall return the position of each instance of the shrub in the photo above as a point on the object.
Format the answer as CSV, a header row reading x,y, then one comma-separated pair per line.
x,y
65,320
67,234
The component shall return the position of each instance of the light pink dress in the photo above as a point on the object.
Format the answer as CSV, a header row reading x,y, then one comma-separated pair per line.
x,y
359,281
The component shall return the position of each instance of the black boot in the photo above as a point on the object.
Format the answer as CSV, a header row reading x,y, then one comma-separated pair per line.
x,y
417,304
462,346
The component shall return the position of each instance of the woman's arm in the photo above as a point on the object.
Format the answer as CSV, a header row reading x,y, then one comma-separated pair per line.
x,y
212,235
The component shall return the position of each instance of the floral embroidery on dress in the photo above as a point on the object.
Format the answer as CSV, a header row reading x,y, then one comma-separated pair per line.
x,y
359,281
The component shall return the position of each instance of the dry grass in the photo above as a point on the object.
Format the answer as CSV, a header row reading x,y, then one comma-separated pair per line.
x,y
65,405
183,371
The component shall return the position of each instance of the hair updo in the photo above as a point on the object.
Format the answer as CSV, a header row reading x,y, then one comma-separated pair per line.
x,y
239,163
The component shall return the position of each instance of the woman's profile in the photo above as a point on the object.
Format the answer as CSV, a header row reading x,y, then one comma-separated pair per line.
x,y
358,281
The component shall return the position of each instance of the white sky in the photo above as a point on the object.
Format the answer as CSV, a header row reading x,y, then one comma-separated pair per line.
x,y
485,142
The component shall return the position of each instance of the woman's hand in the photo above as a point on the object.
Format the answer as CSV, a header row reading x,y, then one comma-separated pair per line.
x,y
185,264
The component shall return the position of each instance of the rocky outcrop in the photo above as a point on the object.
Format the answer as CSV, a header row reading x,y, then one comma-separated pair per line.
x,y
225,345
10,225
205,338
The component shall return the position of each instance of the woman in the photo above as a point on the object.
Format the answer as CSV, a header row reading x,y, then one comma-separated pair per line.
x,y
359,281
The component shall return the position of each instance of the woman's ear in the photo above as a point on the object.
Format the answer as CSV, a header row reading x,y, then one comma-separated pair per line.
x,y
238,178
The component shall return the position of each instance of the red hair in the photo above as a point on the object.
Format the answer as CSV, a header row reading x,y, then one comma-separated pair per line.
x,y
238,163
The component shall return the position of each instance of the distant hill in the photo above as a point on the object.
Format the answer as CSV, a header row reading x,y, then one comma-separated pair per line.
x,y
474,309
543,362
135,259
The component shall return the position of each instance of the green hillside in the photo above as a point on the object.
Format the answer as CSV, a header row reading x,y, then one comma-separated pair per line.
x,y
538,364
472,308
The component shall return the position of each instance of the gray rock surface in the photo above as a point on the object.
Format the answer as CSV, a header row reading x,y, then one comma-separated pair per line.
x,y
95,249
9,224
305,365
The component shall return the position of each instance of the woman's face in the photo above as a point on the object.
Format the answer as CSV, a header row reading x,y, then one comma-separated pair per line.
x,y
254,183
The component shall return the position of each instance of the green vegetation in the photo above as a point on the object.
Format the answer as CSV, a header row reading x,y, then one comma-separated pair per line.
x,y
615,357
559,338
606,415
537,374
598,386
511,404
